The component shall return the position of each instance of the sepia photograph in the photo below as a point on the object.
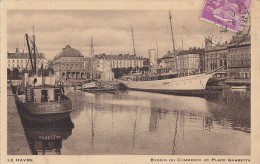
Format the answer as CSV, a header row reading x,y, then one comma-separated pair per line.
x,y
169,82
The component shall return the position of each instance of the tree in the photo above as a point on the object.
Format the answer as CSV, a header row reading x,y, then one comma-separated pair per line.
x,y
9,73
15,73
51,70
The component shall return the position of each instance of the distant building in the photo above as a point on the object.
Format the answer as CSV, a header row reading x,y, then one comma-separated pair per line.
x,y
121,60
239,60
234,55
21,60
69,64
215,56
103,63
168,61
188,61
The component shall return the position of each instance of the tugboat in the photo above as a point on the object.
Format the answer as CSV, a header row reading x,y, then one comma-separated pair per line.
x,y
41,98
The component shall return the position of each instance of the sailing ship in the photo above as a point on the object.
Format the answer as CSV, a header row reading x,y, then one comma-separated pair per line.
x,y
91,85
41,98
95,85
193,85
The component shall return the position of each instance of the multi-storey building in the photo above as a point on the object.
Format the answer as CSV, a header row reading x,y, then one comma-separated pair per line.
x,y
168,61
216,56
102,63
235,56
69,64
121,60
239,60
188,61
21,60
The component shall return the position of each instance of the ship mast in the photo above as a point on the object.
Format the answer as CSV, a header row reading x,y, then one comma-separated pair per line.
x,y
133,45
34,55
173,45
156,52
91,57
29,49
133,40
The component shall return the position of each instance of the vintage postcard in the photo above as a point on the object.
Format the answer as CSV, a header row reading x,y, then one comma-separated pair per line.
x,y
126,82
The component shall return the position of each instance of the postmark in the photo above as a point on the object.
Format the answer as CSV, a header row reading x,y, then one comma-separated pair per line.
x,y
230,14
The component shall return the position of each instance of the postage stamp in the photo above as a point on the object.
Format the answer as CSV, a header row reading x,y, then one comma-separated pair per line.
x,y
231,14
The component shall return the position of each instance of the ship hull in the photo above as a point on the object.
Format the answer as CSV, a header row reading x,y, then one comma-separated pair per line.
x,y
89,86
44,112
193,85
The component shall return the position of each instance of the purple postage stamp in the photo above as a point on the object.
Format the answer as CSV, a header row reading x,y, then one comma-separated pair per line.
x,y
230,14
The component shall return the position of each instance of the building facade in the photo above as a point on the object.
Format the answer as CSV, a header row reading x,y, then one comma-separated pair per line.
x,y
69,64
22,60
234,56
188,61
239,60
105,63
216,56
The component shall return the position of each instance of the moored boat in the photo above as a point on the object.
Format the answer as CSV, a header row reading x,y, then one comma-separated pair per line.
x,y
170,82
193,85
239,87
89,86
43,103
78,87
41,98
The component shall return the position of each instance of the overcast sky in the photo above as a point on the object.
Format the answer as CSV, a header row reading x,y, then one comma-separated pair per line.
x,y
111,30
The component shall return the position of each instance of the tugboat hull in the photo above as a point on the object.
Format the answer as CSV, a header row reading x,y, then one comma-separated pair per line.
x,y
44,112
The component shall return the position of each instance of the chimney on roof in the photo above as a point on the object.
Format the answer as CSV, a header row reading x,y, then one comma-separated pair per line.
x,y
17,50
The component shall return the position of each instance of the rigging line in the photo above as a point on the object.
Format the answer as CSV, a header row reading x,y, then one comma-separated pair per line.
x,y
175,133
92,127
134,129
29,49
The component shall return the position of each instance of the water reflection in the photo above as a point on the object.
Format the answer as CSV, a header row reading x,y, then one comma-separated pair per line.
x,y
232,109
146,123
46,138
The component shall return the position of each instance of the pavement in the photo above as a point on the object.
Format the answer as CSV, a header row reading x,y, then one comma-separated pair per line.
x,y
16,140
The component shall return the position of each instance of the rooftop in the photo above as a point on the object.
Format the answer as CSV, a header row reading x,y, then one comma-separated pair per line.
x,y
184,52
68,51
18,55
118,57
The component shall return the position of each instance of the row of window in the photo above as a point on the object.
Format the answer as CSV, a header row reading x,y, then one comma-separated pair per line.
x,y
22,61
240,50
16,66
70,59
243,56
239,63
239,69
131,61
72,65
25,60
125,66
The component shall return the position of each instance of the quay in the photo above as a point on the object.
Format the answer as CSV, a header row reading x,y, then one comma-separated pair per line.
x,y
15,129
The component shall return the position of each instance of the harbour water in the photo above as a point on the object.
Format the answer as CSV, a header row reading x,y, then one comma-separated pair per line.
x,y
140,123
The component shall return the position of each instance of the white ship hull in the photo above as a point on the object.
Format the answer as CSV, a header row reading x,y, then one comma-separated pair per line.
x,y
89,86
188,85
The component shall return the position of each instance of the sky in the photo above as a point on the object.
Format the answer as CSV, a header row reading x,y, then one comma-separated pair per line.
x,y
110,29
